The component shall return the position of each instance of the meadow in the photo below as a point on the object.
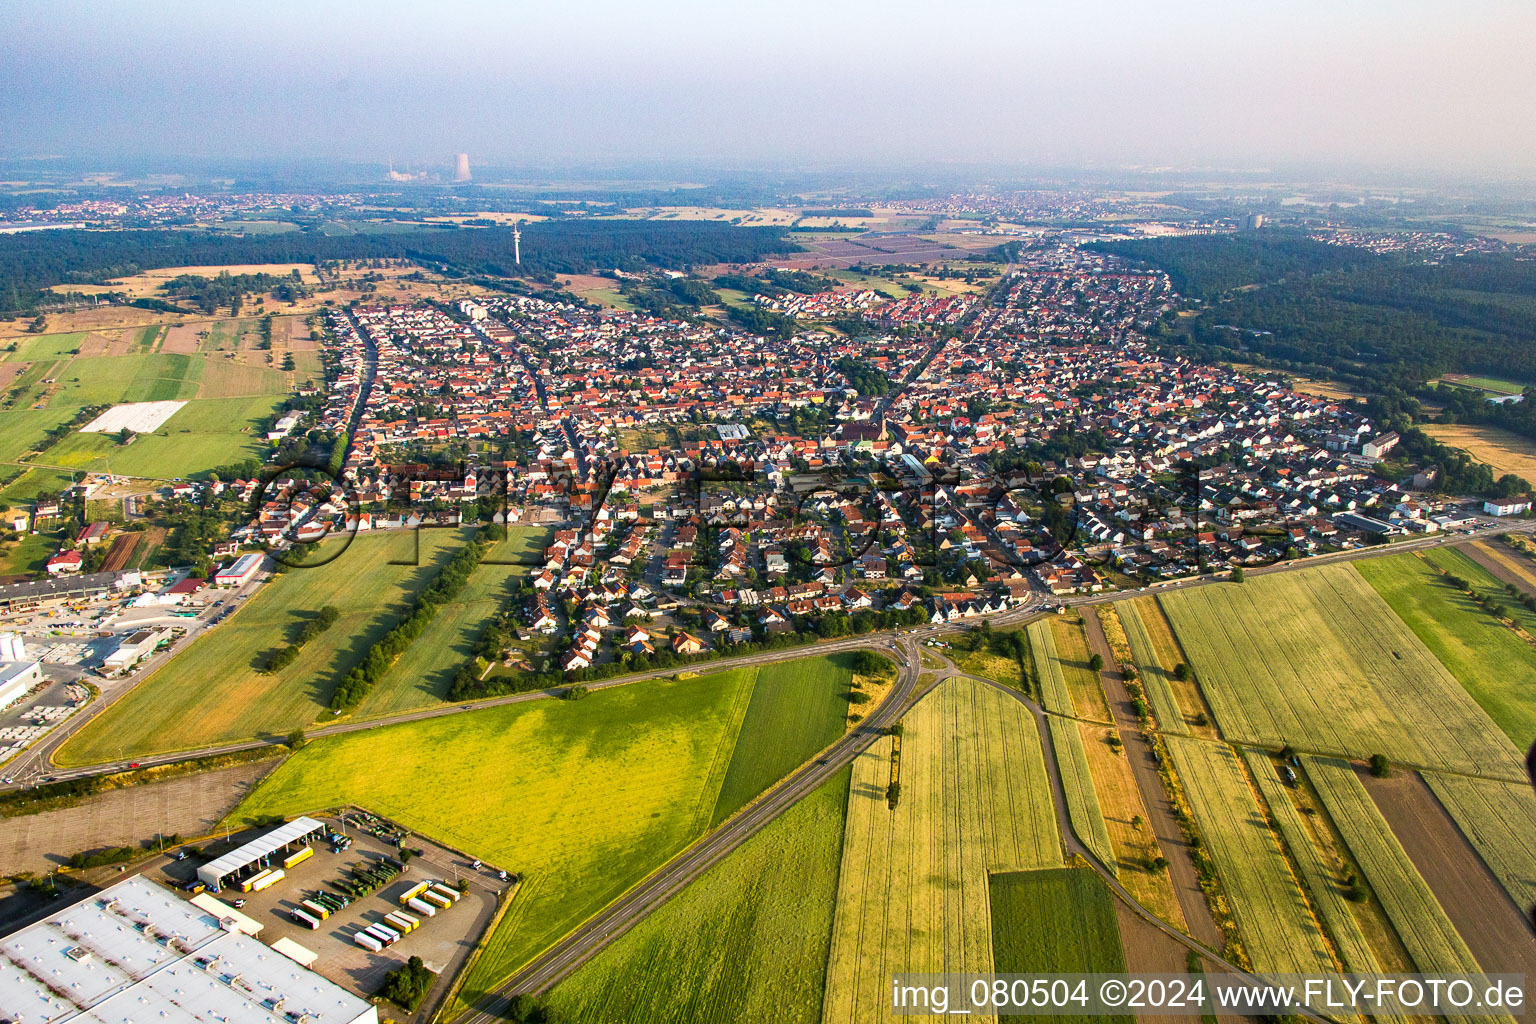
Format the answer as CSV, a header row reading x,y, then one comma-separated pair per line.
x,y
1055,921
1083,684
583,799
746,942
212,692
1077,783
1273,919
1491,661
1315,658
798,708
1431,939
425,671
913,887
1499,820
1322,877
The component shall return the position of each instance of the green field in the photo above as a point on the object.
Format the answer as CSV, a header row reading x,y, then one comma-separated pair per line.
x,y
584,799
798,708
44,346
1156,683
1499,820
204,434
29,553
212,692
424,672
1077,783
1427,933
1315,658
1497,667
1054,695
23,430
1276,925
1324,882
913,888
1057,921
228,400
746,942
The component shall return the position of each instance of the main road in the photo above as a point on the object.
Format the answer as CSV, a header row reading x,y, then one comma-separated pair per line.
x,y
619,916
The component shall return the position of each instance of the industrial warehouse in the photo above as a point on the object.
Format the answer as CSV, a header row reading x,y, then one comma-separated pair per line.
x,y
135,952
257,856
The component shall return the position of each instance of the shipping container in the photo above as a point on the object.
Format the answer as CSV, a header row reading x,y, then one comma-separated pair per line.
x,y
250,883
304,919
422,907
368,941
451,895
440,902
269,879
298,856
400,923
388,936
414,891
315,908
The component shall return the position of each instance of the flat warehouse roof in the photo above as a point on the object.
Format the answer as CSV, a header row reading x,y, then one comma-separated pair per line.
x,y
261,846
135,953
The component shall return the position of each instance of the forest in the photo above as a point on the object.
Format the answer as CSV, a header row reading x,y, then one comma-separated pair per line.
x,y
33,262
1372,321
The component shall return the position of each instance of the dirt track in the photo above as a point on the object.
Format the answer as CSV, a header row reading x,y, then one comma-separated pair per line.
x,y
1482,912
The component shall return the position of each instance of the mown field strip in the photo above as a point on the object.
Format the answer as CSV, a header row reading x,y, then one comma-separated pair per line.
x,y
1276,925
1322,880
913,888
1082,801
1316,658
1154,678
1054,695
1499,820
1426,932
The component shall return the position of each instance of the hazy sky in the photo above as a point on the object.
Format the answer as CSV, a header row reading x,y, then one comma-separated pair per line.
x,y
1154,82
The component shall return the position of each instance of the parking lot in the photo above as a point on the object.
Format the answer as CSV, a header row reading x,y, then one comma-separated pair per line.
x,y
442,941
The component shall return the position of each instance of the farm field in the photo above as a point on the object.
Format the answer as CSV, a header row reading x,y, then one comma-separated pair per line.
x,y
1499,820
1317,659
1055,921
424,672
1322,876
1276,925
1077,783
1493,664
211,692
1156,682
583,799
1503,450
1431,939
31,348
1083,683
913,887
207,433
23,430
1054,695
745,942
797,709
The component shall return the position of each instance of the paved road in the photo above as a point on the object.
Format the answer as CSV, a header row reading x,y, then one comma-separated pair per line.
x,y
37,761
576,948
29,767
36,756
